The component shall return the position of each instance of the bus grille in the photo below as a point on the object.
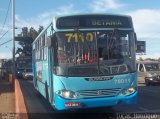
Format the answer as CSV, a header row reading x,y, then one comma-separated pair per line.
x,y
99,93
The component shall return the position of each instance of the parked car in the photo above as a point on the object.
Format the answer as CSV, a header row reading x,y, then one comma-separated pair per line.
x,y
148,72
27,74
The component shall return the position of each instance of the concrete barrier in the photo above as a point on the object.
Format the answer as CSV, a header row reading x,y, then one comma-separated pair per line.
x,y
20,104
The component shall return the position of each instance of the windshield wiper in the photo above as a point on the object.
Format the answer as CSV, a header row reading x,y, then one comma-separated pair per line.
x,y
113,37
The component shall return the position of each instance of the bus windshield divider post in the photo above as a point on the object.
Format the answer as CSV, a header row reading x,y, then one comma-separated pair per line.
x,y
98,67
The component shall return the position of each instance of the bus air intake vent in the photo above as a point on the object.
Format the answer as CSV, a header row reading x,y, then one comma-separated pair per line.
x,y
99,93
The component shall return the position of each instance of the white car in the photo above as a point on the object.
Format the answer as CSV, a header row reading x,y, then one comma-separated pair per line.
x,y
27,74
148,72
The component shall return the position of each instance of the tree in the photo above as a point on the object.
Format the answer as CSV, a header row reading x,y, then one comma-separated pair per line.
x,y
25,39
32,33
40,29
24,32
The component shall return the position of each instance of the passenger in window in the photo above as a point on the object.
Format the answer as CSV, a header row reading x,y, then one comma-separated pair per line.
x,y
116,53
105,54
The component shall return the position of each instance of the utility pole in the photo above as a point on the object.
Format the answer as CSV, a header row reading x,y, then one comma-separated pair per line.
x,y
13,41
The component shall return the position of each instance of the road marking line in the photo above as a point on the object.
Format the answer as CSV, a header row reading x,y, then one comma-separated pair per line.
x,y
144,109
147,111
150,91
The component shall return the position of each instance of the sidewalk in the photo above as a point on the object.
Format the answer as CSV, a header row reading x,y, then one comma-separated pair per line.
x,y
7,97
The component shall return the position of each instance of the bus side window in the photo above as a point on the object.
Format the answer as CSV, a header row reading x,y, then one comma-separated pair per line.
x,y
45,53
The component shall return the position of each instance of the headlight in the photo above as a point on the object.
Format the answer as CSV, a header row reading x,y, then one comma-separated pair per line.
x,y
131,90
67,94
128,91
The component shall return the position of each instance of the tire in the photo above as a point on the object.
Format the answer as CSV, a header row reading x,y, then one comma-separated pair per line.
x,y
147,82
46,91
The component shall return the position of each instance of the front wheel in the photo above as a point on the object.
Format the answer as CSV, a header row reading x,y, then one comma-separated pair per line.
x,y
147,82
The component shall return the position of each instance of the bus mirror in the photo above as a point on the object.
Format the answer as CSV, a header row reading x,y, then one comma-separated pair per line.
x,y
135,35
51,41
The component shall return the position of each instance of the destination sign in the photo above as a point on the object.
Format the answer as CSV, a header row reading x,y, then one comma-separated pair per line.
x,y
94,21
106,23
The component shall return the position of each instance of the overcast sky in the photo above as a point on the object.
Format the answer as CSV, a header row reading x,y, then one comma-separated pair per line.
x,y
145,14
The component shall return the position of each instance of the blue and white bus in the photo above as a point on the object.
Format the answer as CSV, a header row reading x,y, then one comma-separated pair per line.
x,y
86,61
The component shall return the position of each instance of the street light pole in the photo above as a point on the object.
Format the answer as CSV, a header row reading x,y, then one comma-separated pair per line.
x,y
13,40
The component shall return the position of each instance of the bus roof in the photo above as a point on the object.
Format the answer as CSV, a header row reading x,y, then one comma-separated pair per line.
x,y
93,14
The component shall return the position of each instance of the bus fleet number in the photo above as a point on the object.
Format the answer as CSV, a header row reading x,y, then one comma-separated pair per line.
x,y
122,81
76,37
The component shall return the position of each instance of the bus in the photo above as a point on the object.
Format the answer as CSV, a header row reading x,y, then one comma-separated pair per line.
x,y
23,65
86,61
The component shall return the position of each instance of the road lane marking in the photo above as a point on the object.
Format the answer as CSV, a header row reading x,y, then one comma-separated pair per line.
x,y
146,111
142,108
151,91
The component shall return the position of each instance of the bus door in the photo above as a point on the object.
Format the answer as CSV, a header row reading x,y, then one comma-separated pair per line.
x,y
34,68
51,58
50,76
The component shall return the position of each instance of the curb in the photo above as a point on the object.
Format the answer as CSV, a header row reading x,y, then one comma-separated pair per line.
x,y
19,101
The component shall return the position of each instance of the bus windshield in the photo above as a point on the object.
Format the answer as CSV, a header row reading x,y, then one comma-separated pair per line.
x,y
92,53
23,64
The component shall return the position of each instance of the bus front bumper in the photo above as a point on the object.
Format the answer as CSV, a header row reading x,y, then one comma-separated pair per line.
x,y
66,104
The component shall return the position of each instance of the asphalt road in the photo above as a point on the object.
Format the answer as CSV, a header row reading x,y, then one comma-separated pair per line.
x,y
38,107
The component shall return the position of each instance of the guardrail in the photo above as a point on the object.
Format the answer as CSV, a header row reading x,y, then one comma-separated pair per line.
x,y
20,107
